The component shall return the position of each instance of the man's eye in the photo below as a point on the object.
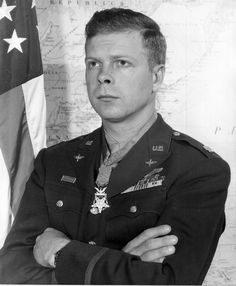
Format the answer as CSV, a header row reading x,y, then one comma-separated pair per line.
x,y
122,63
92,64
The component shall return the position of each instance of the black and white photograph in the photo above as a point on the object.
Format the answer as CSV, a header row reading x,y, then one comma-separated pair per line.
x,y
118,142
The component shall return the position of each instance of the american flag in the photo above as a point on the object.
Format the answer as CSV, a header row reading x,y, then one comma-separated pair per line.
x,y
22,103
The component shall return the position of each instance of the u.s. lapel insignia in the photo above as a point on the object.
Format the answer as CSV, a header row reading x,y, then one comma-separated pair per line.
x,y
78,157
158,148
150,162
89,143
152,179
100,202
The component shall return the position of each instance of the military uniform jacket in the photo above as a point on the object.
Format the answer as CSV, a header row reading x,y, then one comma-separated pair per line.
x,y
166,178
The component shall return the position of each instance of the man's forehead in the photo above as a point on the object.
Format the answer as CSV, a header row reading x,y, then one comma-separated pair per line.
x,y
127,41
116,33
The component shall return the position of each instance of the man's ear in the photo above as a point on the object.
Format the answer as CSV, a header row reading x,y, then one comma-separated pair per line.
x,y
158,76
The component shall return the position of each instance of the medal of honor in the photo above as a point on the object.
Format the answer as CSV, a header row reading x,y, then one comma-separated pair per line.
x,y
100,202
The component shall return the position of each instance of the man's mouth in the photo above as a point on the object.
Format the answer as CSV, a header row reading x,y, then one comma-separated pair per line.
x,y
107,97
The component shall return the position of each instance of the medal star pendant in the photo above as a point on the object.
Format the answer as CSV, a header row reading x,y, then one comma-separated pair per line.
x,y
100,202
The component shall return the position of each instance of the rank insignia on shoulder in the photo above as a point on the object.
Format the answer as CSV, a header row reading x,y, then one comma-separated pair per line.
x,y
89,143
207,148
68,179
176,133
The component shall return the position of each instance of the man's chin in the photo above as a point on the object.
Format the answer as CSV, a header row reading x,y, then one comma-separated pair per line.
x,y
112,118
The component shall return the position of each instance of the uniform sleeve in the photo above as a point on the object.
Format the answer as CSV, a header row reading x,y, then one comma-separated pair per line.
x,y
194,209
17,264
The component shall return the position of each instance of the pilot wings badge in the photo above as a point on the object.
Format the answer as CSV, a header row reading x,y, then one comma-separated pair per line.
x,y
152,179
100,202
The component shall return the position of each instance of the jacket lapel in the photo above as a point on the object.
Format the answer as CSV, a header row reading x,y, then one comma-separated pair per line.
x,y
148,153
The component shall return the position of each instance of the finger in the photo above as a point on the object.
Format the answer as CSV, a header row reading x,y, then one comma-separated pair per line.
x,y
145,235
156,254
49,229
153,244
160,260
37,238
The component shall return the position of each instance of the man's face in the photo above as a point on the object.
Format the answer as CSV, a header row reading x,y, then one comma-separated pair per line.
x,y
119,79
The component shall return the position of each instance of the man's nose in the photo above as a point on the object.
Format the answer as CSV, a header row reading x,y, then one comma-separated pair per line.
x,y
105,76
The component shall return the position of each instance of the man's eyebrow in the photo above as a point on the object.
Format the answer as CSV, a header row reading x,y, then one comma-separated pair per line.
x,y
112,57
91,58
115,57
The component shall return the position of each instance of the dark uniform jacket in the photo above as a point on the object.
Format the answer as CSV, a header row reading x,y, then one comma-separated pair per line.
x,y
166,178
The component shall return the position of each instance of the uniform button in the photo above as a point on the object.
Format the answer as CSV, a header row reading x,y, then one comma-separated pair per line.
x,y
176,133
92,242
133,209
59,203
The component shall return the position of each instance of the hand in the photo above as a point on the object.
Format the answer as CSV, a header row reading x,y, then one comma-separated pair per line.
x,y
47,244
153,244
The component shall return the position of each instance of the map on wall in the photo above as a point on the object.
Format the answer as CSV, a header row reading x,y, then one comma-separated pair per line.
x,y
197,97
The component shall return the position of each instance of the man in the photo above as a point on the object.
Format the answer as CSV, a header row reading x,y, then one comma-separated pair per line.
x,y
133,202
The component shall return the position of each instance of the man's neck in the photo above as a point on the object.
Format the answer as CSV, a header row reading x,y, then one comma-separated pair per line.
x,y
118,134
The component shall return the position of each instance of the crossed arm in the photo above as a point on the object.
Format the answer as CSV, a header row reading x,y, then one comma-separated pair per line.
x,y
195,211
152,245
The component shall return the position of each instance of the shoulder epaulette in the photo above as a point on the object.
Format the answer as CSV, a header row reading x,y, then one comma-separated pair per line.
x,y
207,151
63,142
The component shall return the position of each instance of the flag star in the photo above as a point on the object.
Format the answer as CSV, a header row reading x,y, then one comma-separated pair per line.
x,y
5,10
14,42
33,4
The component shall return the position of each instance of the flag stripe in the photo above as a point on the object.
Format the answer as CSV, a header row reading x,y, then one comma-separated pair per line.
x,y
5,211
15,142
12,109
36,117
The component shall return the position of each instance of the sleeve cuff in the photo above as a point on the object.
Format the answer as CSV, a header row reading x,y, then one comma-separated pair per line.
x,y
76,262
